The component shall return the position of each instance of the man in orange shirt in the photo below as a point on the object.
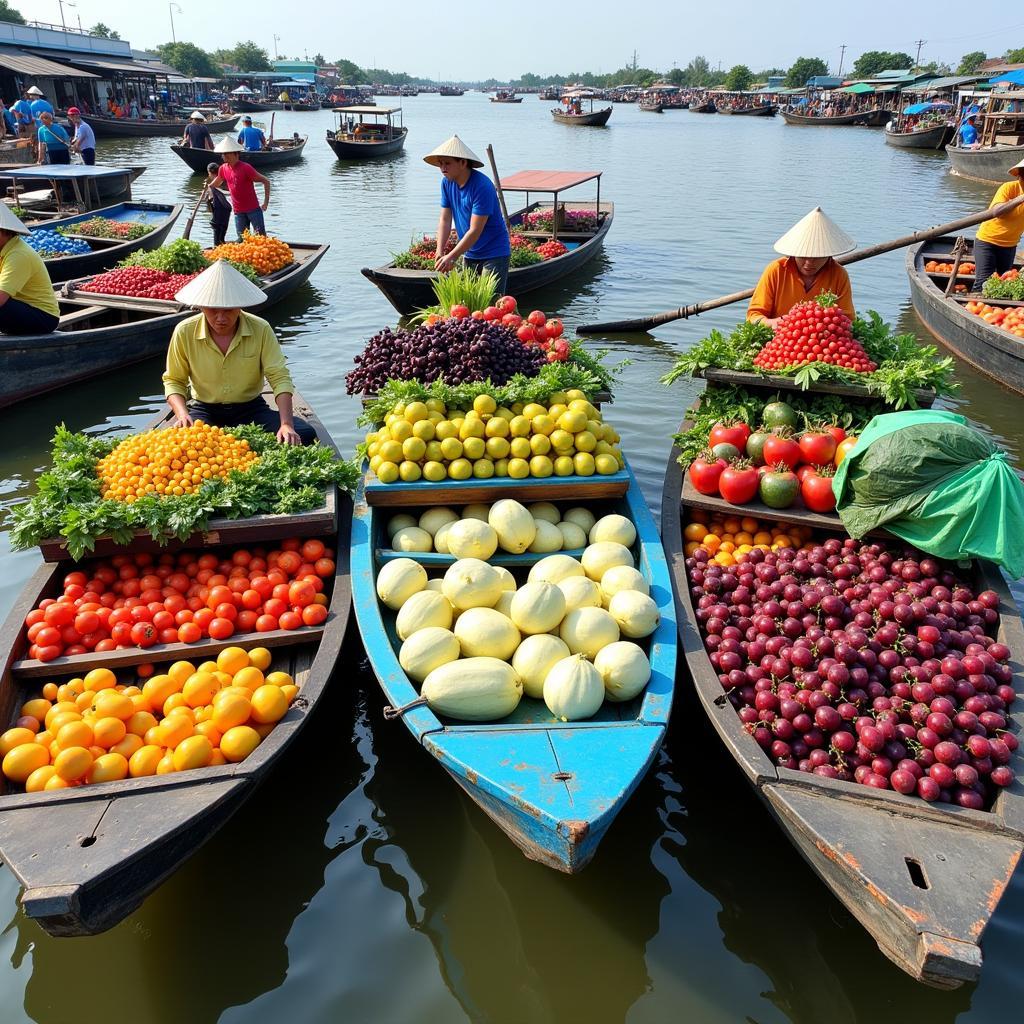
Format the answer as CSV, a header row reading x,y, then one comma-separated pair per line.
x,y
995,246
806,270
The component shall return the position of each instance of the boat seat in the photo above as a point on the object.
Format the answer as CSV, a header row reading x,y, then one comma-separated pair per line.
x,y
69,319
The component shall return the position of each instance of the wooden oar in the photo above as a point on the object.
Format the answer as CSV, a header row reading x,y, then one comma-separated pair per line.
x,y
195,210
497,186
650,322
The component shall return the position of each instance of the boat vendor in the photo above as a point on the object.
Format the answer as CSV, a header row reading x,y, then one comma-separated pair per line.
x,y
220,205
39,104
469,197
22,111
196,134
249,138
54,142
224,355
27,301
84,140
239,177
995,245
968,133
807,269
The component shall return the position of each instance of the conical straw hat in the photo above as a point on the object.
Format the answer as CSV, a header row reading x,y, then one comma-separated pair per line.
x,y
455,149
197,115
814,237
228,145
221,287
34,91
1016,169
8,222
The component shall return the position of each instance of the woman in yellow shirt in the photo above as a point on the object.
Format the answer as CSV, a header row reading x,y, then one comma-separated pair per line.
x,y
996,243
806,270
27,302
223,355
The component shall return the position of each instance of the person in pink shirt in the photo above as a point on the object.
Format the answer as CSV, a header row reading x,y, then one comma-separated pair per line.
x,y
239,177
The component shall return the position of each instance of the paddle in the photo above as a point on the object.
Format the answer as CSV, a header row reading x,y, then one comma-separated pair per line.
x,y
270,141
650,322
497,185
195,210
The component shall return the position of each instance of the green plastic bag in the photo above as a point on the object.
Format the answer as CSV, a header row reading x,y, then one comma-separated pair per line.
x,y
929,478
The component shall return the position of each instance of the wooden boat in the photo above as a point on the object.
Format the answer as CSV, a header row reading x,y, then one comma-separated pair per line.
x,y
87,857
450,90
991,163
878,117
279,153
792,117
98,334
934,137
768,110
259,106
988,348
506,97
652,108
54,187
707,107
410,290
593,118
375,135
108,251
123,127
553,788
923,879
1000,140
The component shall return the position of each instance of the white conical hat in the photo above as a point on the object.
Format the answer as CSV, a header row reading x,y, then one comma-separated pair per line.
x,y
456,149
1016,169
221,287
197,115
228,145
34,91
814,237
8,222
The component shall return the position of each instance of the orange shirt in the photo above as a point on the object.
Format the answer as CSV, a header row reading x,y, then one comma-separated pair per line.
x,y
780,289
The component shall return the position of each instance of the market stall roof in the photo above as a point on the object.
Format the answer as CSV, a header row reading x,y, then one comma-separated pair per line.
x,y
304,85
242,90
23,63
124,67
926,108
858,88
1013,77
547,181
365,110
65,172
946,82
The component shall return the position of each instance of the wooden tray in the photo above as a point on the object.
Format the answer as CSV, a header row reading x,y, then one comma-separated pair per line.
x,y
717,375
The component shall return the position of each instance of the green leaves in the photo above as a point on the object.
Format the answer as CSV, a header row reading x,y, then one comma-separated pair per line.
x,y
182,256
69,503
996,288
733,352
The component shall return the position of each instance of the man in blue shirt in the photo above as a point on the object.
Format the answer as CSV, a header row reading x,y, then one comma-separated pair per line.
x,y
22,111
469,197
249,138
54,143
39,104
968,133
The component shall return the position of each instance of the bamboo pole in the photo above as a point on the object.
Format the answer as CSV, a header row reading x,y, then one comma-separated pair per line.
x,y
497,185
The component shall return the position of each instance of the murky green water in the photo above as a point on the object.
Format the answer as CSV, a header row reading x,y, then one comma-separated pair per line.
x,y
359,884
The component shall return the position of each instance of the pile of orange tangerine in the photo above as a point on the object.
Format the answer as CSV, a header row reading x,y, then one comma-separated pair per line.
x,y
728,539
263,253
172,461
95,729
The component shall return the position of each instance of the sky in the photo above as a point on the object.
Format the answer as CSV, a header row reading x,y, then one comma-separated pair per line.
x,y
464,41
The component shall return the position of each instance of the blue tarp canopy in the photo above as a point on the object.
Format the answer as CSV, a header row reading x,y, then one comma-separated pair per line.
x,y
802,101
1016,77
926,108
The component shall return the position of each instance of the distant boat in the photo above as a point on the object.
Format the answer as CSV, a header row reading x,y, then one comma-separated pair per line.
x,y
371,137
126,127
280,152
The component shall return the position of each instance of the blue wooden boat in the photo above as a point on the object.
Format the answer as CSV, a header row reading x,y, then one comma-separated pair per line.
x,y
553,787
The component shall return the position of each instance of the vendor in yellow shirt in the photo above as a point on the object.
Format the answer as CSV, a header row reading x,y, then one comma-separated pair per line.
x,y
996,243
224,354
27,301
807,269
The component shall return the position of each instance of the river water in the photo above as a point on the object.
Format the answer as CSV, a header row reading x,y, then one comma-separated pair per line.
x,y
359,884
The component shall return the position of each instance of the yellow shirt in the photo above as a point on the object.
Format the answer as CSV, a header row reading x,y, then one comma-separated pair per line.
x,y
225,378
1005,230
24,276
781,288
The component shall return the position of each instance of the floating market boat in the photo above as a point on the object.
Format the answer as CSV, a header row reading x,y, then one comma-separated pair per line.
x,y
858,117
707,107
590,117
450,90
553,787
54,187
257,106
278,153
100,333
506,96
376,133
410,290
767,110
987,347
651,107
923,878
159,217
125,127
88,856
929,137
1000,141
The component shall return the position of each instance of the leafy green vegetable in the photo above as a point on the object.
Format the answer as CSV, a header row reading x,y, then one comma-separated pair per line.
x,y
996,288
904,364
68,502
182,256
523,257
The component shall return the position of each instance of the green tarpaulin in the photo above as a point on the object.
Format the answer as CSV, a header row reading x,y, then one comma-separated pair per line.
x,y
860,89
929,478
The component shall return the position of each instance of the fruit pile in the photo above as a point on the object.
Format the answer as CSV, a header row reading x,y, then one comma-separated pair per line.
x,y
454,350
140,282
425,440
869,663
95,729
104,227
535,329
728,540
477,640
1009,318
552,249
817,331
141,600
52,245
468,535
772,463
933,267
261,252
172,461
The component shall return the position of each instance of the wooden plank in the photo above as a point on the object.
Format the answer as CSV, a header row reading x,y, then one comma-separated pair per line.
x,y
717,375
28,668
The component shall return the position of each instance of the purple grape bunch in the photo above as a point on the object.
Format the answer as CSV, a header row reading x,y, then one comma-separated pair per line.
x,y
455,351
862,663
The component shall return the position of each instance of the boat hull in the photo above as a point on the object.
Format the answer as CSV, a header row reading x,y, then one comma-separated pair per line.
x,y
595,118
703,108
651,108
995,352
411,290
992,163
346,150
766,111
927,138
114,127
804,119
198,159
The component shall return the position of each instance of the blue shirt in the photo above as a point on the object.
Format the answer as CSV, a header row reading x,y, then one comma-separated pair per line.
x,y
22,111
9,120
968,134
85,136
40,106
54,137
251,138
477,198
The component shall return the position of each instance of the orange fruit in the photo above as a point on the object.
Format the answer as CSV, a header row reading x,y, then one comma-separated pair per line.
x,y
280,679
75,734
291,691
238,743
108,768
15,738
111,704
20,762
100,679
107,731
232,660
175,729
180,672
56,782
59,721
35,708
193,752
36,782
217,758
60,708
250,678
144,761
128,746
84,701
210,731
176,700
260,657
233,709
50,691
72,764
140,722
199,689
269,704
166,764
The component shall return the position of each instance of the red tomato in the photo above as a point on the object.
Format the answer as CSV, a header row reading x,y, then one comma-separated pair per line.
x,y
782,449
537,318
837,433
70,635
48,653
121,633
107,644
34,616
262,586
75,577
281,592
735,434
179,581
291,620
168,635
705,471
251,600
226,610
289,562
218,595
314,614
221,629
203,618
311,550
265,623
59,614
144,634
817,493
459,311
189,633
301,593
526,334
47,636
738,483
163,620
554,328
805,470
246,621
507,304
818,447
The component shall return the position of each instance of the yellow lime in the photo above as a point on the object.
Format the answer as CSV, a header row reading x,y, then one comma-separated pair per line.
x,y
540,444
563,466
410,472
583,462
497,427
497,447
484,405
518,469
483,469
452,448
540,465
387,472
414,448
460,469
519,427
433,471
